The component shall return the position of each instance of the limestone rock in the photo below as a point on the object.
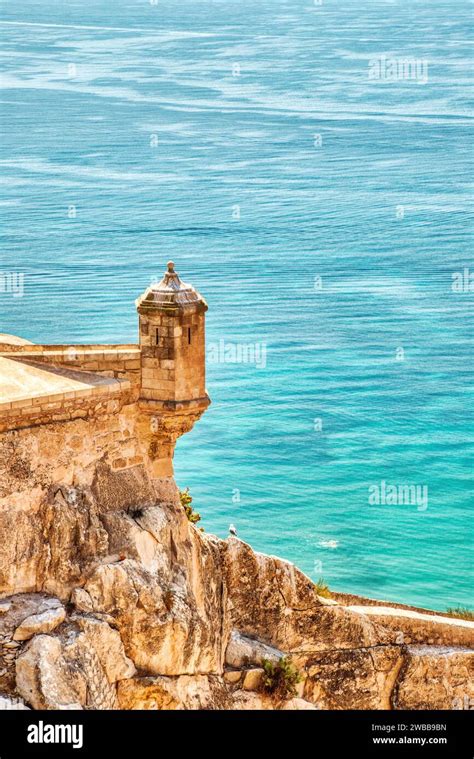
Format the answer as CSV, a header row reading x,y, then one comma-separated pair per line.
x,y
81,599
272,600
266,595
46,680
7,703
242,650
298,704
249,701
120,490
173,693
436,678
170,616
411,627
233,676
77,669
108,647
40,623
352,679
252,679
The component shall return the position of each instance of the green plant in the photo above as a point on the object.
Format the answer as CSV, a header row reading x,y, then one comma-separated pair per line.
x,y
322,589
460,612
186,501
280,677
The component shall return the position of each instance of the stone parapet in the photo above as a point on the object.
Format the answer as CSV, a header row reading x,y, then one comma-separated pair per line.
x,y
117,361
67,348
105,398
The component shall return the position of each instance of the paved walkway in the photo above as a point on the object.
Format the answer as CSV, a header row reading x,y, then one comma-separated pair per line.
x,y
20,380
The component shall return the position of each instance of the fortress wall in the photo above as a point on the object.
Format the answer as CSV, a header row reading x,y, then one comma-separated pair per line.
x,y
62,347
115,361
60,407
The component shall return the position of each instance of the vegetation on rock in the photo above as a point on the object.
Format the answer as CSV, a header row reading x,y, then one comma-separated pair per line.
x,y
322,589
186,500
280,677
460,612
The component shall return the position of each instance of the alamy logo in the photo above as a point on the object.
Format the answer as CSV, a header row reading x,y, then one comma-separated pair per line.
x,y
384,69
12,282
42,733
237,353
462,281
466,702
398,495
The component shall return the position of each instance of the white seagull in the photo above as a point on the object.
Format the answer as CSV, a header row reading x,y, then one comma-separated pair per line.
x,y
232,529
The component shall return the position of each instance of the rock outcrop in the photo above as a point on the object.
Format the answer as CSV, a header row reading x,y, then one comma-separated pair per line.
x,y
111,599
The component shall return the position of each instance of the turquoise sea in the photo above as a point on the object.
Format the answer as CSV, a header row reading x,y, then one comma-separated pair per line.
x,y
325,216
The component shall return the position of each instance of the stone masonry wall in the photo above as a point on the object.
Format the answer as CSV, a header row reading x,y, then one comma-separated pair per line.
x,y
173,356
115,361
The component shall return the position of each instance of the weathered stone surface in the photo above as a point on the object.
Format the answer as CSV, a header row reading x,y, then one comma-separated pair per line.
x,y
249,701
21,606
352,679
267,597
45,680
435,678
16,704
242,651
233,676
81,599
42,514
108,647
17,609
120,490
298,704
272,600
77,669
166,595
252,679
173,693
409,626
40,623
168,625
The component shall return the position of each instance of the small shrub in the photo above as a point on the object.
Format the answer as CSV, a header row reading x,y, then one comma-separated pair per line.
x,y
322,589
186,501
460,612
280,677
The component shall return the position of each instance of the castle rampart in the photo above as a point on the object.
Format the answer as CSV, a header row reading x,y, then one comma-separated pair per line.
x,y
161,380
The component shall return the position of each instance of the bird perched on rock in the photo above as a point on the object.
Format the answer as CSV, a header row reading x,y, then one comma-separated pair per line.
x,y
232,530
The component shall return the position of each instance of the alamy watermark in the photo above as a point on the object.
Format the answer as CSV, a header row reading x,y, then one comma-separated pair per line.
x,y
12,283
47,733
224,352
384,494
462,281
464,702
387,69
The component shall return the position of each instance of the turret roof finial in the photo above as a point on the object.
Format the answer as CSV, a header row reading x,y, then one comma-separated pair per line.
x,y
170,278
171,292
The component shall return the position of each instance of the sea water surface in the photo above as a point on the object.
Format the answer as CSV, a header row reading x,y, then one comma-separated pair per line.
x,y
323,214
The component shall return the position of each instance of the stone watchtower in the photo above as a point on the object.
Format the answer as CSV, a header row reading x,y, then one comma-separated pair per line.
x,y
172,347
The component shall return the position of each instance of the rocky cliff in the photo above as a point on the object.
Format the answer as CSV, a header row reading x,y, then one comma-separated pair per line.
x,y
110,598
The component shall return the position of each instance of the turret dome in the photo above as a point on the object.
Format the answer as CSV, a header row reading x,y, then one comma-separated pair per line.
x,y
169,294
